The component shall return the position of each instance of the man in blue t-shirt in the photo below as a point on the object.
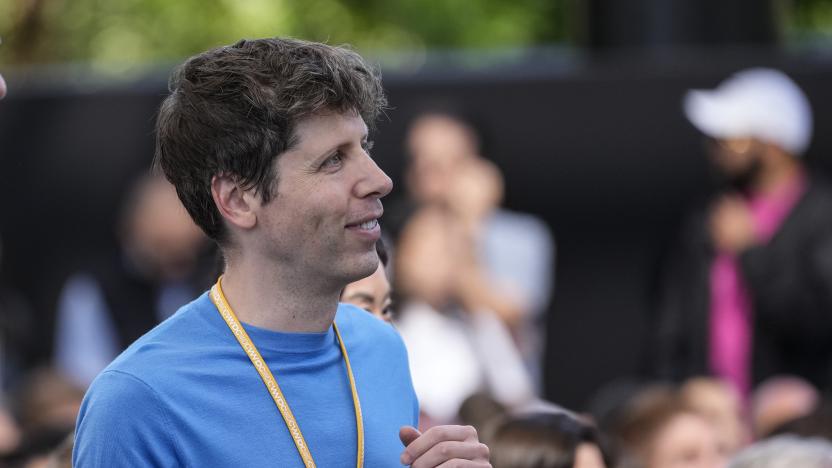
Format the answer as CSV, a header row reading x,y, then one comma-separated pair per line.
x,y
266,144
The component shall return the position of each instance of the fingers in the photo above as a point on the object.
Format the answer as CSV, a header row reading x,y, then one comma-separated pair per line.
x,y
442,444
465,464
433,436
408,434
454,454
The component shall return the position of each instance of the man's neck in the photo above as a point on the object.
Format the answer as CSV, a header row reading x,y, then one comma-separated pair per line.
x,y
268,298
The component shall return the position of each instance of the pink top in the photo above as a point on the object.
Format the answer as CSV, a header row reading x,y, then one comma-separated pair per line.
x,y
731,308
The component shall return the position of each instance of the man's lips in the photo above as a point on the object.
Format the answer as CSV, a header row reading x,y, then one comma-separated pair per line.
x,y
366,222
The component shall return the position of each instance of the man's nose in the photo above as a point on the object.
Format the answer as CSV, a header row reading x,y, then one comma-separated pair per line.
x,y
376,183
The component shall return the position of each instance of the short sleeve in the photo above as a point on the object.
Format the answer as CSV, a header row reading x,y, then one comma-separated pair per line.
x,y
123,423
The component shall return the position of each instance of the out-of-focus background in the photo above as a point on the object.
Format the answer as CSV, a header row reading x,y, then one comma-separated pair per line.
x,y
578,102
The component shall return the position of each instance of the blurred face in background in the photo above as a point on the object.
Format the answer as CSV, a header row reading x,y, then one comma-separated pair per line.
x,y
437,145
2,87
737,160
476,190
720,404
158,234
687,440
371,294
425,258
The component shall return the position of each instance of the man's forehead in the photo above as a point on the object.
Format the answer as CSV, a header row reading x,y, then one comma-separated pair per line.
x,y
318,126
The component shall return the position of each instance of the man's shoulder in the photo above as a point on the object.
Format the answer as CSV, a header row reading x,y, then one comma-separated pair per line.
x,y
178,338
132,416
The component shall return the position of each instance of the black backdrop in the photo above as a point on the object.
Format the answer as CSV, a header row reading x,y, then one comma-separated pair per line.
x,y
596,146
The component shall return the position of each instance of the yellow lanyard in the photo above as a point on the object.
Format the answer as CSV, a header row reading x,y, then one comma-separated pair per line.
x,y
248,346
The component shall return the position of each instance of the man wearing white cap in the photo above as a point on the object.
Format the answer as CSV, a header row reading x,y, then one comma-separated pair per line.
x,y
748,292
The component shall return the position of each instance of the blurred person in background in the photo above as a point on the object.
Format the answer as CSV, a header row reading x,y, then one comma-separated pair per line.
x,y
656,429
115,300
785,452
480,410
43,403
17,328
61,457
12,310
817,423
373,293
545,440
457,347
721,405
46,404
780,400
747,293
11,434
506,258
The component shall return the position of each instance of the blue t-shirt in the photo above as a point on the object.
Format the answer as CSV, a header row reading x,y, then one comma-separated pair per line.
x,y
186,394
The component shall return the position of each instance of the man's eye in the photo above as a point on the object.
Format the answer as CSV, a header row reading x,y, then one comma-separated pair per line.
x,y
333,161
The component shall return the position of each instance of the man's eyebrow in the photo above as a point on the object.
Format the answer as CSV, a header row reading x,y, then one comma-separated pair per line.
x,y
341,145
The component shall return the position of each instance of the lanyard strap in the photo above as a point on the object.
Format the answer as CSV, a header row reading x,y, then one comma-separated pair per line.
x,y
248,346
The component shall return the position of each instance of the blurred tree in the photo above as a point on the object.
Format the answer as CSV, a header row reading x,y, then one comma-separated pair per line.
x,y
119,34
808,20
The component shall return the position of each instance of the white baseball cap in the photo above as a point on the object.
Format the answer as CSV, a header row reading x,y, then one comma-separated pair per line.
x,y
760,102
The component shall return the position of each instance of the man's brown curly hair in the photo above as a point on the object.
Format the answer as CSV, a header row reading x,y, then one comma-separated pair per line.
x,y
232,110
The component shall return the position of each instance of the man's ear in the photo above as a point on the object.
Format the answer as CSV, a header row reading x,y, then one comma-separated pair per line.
x,y
236,205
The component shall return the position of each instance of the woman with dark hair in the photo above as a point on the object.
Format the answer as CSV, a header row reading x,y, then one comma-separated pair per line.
x,y
546,440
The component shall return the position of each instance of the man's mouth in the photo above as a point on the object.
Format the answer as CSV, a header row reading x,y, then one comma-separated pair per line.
x,y
366,225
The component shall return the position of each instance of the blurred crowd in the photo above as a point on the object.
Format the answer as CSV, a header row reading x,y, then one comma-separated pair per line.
x,y
740,350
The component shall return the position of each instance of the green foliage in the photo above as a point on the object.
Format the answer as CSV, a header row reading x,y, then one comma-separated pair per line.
x,y
809,20
118,34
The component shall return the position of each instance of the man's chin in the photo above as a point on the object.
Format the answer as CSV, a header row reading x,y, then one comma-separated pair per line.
x,y
365,266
